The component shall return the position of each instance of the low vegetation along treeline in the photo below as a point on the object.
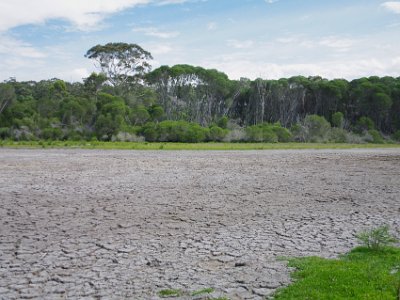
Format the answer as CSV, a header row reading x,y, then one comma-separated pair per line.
x,y
126,101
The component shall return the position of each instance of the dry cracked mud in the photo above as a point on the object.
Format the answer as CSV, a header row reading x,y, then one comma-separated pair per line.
x,y
89,224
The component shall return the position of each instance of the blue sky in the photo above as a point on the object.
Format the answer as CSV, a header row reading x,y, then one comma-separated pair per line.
x,y
271,39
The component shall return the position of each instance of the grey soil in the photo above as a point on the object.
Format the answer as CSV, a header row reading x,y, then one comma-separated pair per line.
x,y
126,224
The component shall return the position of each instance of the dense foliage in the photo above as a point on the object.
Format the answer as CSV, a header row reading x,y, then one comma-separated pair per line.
x,y
183,103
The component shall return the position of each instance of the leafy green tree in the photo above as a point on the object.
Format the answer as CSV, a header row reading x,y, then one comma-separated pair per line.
x,y
139,115
94,83
156,112
107,126
338,119
121,62
112,113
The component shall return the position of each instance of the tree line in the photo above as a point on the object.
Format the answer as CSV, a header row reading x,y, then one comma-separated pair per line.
x,y
126,100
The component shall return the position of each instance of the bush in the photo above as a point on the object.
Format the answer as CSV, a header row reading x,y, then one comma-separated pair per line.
x,y
364,124
74,135
338,135
377,239
353,138
149,132
175,131
194,134
52,134
318,128
254,134
269,133
235,135
223,122
376,136
283,134
338,119
396,136
314,128
126,137
217,134
5,133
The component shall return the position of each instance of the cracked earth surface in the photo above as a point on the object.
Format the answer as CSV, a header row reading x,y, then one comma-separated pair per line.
x,y
90,224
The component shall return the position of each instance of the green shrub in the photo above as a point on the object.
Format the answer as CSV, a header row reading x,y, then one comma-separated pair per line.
x,y
254,134
223,122
376,239
195,134
338,119
5,133
263,133
318,128
283,134
74,135
269,135
313,129
149,132
396,136
364,124
376,136
52,134
217,134
338,135
235,135
175,131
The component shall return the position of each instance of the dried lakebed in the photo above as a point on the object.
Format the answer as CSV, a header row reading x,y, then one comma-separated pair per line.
x,y
126,224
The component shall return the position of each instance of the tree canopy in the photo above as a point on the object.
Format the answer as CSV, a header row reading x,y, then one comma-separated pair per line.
x,y
170,101
122,63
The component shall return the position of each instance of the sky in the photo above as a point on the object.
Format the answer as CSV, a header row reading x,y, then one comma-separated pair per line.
x,y
270,39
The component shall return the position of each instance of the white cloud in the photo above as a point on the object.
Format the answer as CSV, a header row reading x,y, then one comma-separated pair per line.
x,y
152,31
271,1
83,14
337,43
167,2
327,69
240,44
286,40
329,56
158,49
211,26
17,48
393,6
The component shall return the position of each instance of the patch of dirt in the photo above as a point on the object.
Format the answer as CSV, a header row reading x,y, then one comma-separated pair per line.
x,y
127,224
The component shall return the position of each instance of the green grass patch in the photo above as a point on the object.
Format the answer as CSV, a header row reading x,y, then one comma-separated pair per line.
x,y
170,293
203,292
187,146
361,274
